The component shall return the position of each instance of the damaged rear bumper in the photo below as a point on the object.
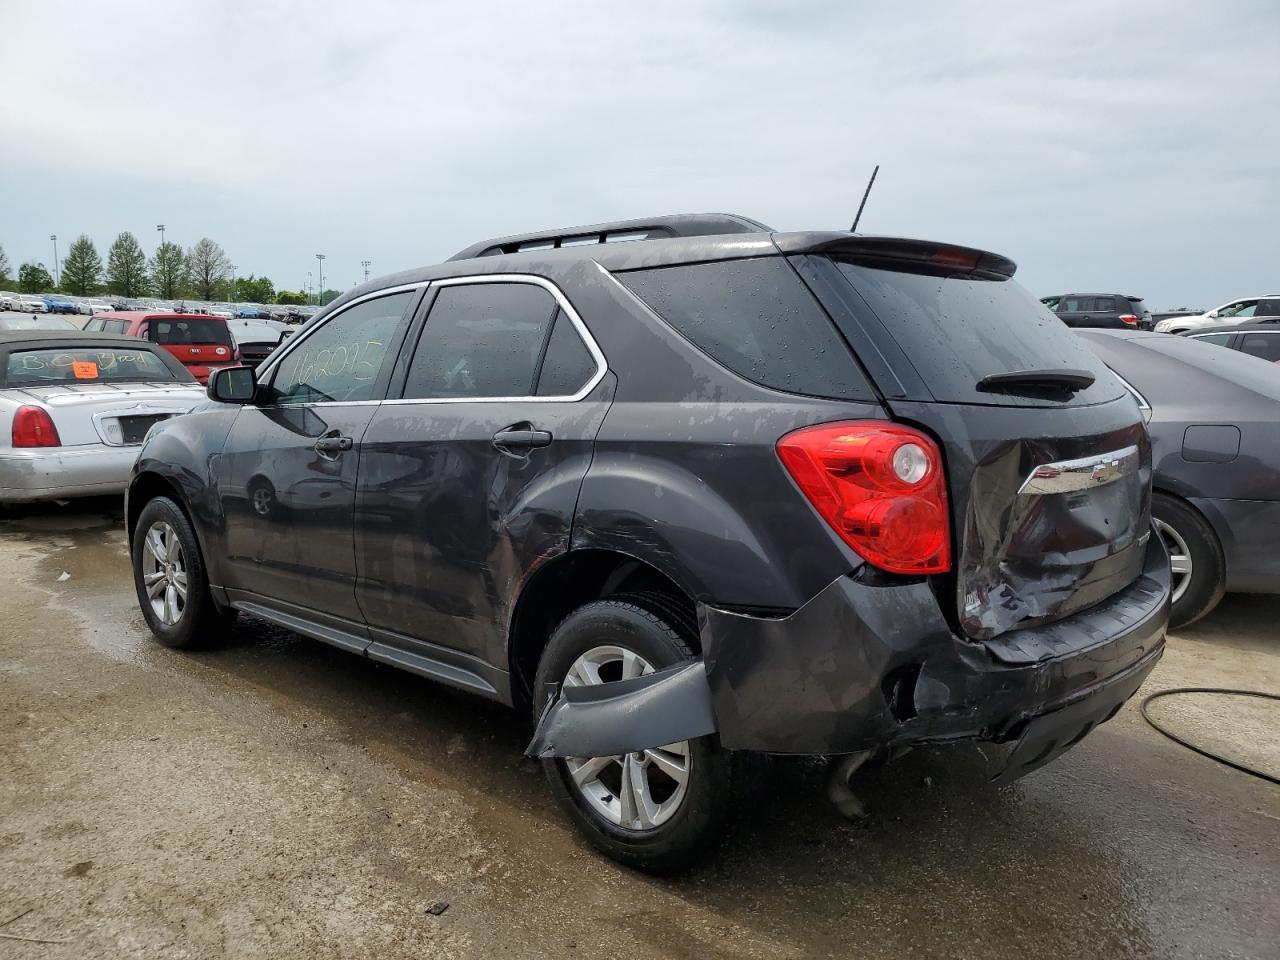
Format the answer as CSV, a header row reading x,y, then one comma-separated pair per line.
x,y
864,666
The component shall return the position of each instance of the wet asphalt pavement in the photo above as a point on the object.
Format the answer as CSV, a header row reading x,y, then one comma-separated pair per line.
x,y
277,797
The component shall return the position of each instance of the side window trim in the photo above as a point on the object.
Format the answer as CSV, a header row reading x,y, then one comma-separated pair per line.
x,y
396,396
267,374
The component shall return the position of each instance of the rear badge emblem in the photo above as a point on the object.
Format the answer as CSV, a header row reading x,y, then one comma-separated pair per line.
x,y
222,351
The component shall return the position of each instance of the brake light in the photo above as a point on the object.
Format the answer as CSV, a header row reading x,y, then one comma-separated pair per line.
x,y
32,427
882,488
1129,318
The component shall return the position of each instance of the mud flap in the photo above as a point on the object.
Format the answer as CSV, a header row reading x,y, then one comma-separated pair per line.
x,y
614,718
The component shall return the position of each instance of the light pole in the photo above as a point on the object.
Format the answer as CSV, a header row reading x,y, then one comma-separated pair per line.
x,y
320,286
308,286
160,227
365,264
54,238
231,299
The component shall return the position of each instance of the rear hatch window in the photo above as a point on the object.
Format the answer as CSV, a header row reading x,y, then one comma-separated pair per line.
x,y
957,330
757,318
190,332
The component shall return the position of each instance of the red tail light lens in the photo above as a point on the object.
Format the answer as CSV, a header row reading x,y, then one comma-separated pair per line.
x,y
882,488
32,427
1129,318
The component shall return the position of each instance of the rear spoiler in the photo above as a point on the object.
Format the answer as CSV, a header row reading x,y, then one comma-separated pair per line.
x,y
895,253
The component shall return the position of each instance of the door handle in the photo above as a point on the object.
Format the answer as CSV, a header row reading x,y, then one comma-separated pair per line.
x,y
333,444
521,437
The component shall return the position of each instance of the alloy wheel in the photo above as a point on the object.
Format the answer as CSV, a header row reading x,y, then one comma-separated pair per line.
x,y
640,790
1179,558
164,573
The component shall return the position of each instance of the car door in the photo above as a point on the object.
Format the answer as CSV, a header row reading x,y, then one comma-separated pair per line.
x,y
470,475
287,477
1074,310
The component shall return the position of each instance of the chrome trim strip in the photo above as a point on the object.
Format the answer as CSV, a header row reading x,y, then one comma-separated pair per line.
x,y
266,369
1067,476
593,348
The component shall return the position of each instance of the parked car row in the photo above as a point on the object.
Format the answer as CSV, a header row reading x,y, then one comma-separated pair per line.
x,y
90,306
719,489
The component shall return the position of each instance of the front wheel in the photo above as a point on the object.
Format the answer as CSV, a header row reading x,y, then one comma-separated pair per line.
x,y
169,576
658,809
1199,569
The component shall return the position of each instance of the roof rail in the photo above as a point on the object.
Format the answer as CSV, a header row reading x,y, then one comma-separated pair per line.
x,y
675,225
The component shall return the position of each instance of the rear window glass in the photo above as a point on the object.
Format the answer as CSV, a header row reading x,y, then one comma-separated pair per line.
x,y
957,330
189,331
84,365
756,318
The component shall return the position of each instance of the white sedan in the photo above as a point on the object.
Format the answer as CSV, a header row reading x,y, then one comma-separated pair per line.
x,y
75,407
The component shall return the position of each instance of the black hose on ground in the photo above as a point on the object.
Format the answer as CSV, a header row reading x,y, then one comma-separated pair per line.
x,y
1260,774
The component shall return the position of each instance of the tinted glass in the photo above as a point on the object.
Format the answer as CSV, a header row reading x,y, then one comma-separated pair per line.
x,y
757,318
957,330
1075,305
1104,304
1268,308
85,365
116,326
481,340
567,365
342,360
1264,345
1221,339
186,332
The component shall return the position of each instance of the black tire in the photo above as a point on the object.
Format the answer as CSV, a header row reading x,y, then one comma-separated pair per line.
x,y
1208,579
200,621
645,626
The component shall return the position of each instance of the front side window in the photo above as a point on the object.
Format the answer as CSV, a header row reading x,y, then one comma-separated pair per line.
x,y
1241,308
482,340
343,360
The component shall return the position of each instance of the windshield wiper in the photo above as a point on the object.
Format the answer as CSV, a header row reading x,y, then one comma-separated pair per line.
x,y
1016,381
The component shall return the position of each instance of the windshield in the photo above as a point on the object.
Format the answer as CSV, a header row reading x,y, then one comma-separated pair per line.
x,y
36,323
187,331
84,365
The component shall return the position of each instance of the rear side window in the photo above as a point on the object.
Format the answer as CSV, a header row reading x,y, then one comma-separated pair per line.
x,y
568,365
957,330
1104,304
756,318
1268,308
481,340
188,331
1264,345
1221,339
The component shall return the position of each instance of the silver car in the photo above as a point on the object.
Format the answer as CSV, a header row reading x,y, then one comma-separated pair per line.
x,y
75,407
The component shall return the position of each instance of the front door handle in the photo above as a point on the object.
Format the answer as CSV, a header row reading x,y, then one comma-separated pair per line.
x,y
332,444
521,437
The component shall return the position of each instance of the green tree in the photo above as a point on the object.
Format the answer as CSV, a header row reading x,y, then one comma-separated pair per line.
x,y
34,278
168,270
207,267
4,267
253,289
291,298
127,267
329,295
82,269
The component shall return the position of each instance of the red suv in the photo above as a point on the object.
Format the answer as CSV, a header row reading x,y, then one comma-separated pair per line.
x,y
201,343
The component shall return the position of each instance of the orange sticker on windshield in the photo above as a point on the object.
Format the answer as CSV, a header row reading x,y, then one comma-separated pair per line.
x,y
84,369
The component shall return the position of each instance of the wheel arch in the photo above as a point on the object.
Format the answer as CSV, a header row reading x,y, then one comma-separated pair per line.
x,y
561,585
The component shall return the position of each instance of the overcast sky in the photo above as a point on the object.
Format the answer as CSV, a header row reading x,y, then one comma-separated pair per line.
x,y
1134,150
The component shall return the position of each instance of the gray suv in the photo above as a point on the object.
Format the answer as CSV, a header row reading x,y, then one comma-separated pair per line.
x,y
681,487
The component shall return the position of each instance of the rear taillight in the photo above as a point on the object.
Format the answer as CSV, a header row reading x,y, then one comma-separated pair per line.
x,y
32,427
881,487
1129,318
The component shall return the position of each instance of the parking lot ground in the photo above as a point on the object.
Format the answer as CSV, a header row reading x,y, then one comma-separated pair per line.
x,y
275,797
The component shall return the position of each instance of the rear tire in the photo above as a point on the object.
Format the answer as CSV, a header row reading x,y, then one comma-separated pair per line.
x,y
1191,542
652,631
170,579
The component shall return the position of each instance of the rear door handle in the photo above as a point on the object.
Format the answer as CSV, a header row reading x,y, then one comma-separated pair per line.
x,y
521,438
333,444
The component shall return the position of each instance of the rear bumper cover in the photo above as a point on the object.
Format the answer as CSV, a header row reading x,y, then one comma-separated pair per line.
x,y
862,666
48,473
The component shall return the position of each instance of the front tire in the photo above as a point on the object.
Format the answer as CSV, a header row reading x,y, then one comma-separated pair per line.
x,y
1199,568
170,579
655,810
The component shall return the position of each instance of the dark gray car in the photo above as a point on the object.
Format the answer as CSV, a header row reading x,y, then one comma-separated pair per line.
x,y
1113,310
712,488
1215,444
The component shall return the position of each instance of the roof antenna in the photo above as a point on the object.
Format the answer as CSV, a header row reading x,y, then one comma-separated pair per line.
x,y
866,193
